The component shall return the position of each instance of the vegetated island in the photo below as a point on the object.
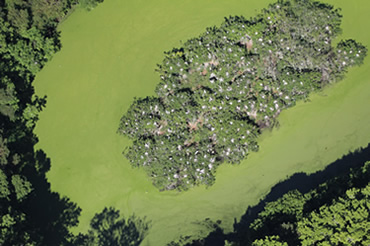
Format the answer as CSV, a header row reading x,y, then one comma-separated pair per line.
x,y
219,90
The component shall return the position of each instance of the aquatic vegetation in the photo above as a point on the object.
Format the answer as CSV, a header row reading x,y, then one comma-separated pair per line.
x,y
219,90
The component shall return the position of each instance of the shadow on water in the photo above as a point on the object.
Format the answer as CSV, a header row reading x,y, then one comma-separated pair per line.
x,y
36,213
50,216
108,228
299,181
46,217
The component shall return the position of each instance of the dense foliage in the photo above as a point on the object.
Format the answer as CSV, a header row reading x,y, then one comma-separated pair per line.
x,y
346,221
90,4
30,213
337,212
107,228
220,89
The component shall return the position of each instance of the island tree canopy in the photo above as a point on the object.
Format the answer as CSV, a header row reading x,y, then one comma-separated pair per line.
x,y
220,89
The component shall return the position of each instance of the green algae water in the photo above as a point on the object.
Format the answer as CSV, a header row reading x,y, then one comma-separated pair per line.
x,y
108,58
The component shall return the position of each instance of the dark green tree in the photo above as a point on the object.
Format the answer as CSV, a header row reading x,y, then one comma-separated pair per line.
x,y
30,214
107,228
345,222
269,241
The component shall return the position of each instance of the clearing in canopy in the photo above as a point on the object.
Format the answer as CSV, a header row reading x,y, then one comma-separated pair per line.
x,y
219,90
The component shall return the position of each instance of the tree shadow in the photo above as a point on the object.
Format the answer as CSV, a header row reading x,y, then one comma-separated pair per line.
x,y
304,183
44,215
299,181
108,228
49,216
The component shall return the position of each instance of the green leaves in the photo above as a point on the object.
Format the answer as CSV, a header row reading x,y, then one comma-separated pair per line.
x,y
288,208
216,95
345,222
28,39
22,186
8,102
4,151
107,228
350,52
269,241
18,15
335,213
30,115
4,189
90,4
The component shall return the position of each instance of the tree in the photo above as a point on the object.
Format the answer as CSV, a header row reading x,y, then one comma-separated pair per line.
x,y
8,102
21,186
30,214
345,222
107,228
4,151
221,89
18,14
336,212
90,4
269,241
280,217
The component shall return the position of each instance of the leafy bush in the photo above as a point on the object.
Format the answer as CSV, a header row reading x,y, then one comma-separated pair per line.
x,y
219,90
90,4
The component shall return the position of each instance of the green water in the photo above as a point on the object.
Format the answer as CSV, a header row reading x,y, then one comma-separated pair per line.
x,y
109,56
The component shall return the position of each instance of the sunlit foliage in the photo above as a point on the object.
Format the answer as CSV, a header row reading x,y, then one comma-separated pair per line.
x,y
219,90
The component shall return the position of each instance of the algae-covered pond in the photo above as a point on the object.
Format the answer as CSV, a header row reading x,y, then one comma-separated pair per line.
x,y
108,58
